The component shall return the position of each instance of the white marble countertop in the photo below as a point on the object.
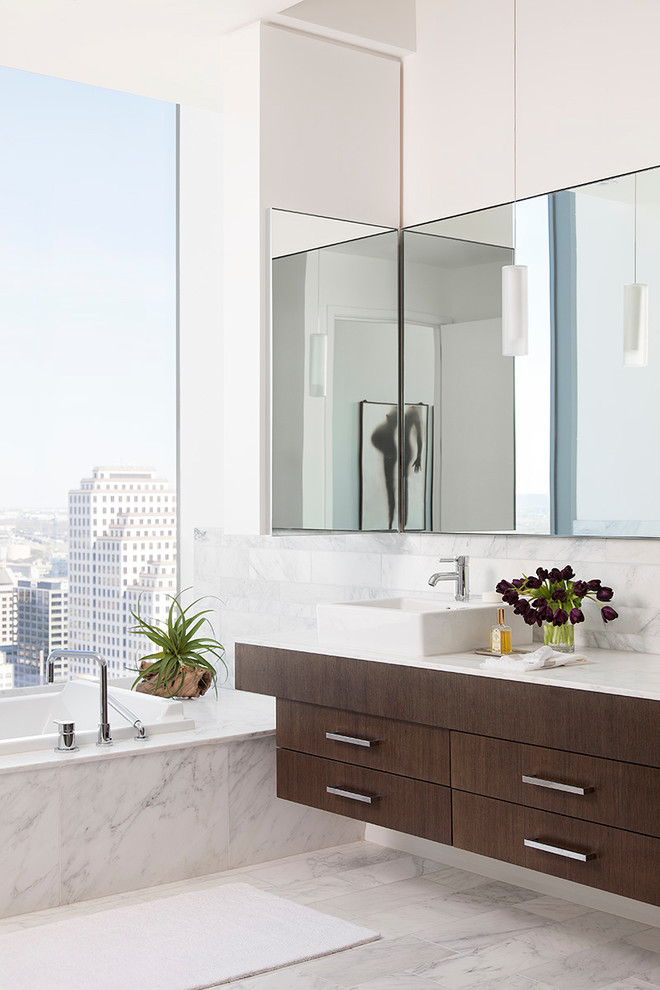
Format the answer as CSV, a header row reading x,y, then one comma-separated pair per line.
x,y
636,675
232,716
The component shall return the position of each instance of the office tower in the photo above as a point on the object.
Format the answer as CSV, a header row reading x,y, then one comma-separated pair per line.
x,y
7,609
41,626
122,555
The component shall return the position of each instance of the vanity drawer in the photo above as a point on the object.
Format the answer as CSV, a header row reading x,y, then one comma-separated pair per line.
x,y
615,860
622,794
413,806
420,751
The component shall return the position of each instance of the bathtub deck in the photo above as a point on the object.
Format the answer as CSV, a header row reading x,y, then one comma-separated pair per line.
x,y
233,716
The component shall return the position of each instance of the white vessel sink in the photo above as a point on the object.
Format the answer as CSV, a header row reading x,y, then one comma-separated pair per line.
x,y
413,627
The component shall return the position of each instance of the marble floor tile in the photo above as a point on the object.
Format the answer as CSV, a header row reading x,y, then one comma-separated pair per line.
x,y
381,959
287,978
396,981
494,893
336,861
482,930
554,908
451,878
318,889
364,902
509,982
436,935
647,939
597,967
632,983
411,918
390,871
595,928
497,962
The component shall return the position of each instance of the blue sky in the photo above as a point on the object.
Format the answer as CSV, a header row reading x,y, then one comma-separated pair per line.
x,y
87,285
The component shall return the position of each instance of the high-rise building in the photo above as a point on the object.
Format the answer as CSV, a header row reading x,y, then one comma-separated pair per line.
x,y
7,609
42,611
122,554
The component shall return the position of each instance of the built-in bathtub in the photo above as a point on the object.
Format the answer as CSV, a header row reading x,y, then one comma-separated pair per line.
x,y
102,820
27,717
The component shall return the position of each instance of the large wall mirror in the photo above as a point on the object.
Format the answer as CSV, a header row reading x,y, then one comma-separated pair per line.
x,y
335,346
560,441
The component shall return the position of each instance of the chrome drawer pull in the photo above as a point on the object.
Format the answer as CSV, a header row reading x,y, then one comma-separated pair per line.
x,y
353,795
554,785
353,740
558,851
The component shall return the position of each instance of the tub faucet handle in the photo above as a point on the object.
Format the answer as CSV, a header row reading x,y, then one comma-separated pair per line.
x,y
66,737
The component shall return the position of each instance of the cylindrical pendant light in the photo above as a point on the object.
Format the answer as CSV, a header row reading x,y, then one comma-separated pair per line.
x,y
635,311
515,311
515,306
636,325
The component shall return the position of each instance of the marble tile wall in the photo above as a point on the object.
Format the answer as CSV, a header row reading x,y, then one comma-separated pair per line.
x,y
79,831
272,584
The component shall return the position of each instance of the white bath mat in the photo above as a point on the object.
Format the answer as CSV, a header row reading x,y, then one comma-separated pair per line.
x,y
185,942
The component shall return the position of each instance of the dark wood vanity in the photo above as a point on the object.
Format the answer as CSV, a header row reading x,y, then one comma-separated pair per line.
x,y
558,780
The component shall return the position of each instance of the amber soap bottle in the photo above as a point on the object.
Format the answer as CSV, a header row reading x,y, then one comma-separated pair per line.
x,y
500,635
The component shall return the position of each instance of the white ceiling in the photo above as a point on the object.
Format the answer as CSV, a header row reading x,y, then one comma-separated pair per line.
x,y
173,49
167,49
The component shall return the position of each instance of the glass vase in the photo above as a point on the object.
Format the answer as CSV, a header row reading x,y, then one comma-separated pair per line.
x,y
560,638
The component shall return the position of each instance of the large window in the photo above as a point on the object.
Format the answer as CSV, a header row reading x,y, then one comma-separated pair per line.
x,y
88,345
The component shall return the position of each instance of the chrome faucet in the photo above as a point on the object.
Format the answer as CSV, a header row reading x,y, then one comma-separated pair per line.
x,y
461,576
104,737
130,717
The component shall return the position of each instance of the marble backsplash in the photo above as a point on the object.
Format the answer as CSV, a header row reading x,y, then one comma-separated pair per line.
x,y
272,583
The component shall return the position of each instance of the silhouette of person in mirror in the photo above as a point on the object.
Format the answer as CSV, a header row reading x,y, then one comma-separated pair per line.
x,y
384,439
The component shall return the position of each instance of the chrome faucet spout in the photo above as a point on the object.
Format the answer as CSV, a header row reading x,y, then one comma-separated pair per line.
x,y
104,737
460,576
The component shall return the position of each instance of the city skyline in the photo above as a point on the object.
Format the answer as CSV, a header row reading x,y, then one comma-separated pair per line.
x,y
116,553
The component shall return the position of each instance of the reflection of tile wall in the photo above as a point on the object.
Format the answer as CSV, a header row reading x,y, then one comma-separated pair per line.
x,y
272,584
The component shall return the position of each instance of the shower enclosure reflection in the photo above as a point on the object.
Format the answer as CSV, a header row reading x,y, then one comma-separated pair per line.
x,y
491,444
453,367
335,353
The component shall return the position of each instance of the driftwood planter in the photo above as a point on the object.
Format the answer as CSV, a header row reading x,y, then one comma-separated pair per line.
x,y
196,682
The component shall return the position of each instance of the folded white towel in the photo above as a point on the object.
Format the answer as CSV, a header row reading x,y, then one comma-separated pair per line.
x,y
545,656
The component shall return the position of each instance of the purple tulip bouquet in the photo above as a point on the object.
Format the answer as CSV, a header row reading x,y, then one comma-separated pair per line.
x,y
553,599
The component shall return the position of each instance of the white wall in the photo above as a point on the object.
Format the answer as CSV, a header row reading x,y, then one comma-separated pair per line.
x,y
200,325
588,90
587,97
329,129
312,127
458,109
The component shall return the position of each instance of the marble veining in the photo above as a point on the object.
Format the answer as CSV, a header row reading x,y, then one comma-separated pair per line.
x,y
142,820
297,568
29,841
261,825
491,949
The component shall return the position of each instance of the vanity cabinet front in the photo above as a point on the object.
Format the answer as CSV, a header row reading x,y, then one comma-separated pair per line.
x,y
608,792
382,771
562,781
611,859
406,748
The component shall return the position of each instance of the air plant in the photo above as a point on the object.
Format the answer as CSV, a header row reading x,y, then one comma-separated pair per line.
x,y
182,649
